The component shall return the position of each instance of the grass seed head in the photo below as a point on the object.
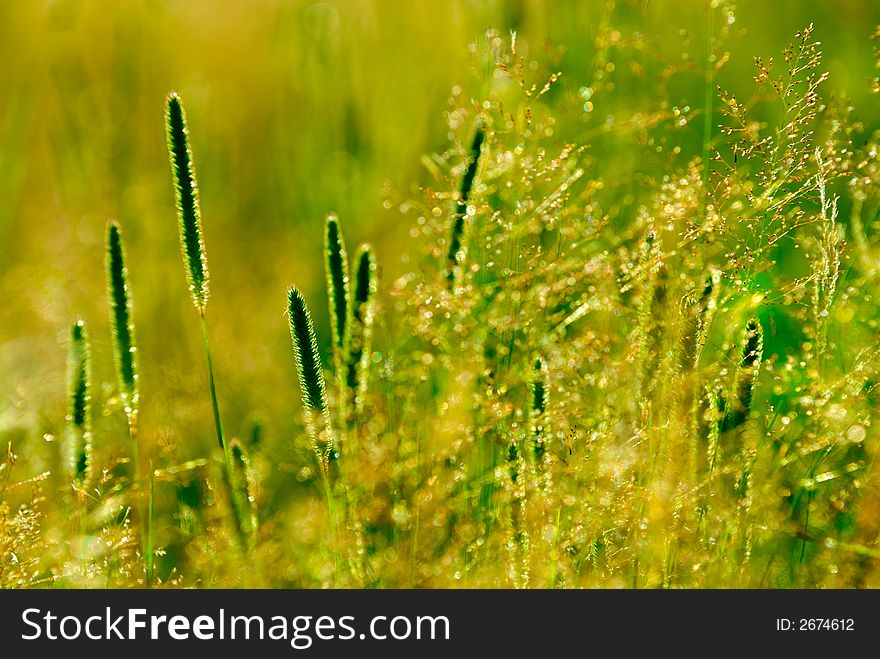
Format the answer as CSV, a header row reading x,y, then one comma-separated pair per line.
x,y
242,491
336,266
121,323
539,407
79,382
311,375
192,242
361,326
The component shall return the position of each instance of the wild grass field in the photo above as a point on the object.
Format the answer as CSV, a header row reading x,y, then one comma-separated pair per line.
x,y
477,294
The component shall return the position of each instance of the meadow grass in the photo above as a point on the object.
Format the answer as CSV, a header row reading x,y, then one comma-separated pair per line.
x,y
660,373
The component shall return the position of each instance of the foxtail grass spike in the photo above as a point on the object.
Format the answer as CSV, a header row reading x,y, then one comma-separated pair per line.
x,y
454,255
361,327
336,265
737,410
539,407
121,323
79,382
257,433
192,242
243,503
311,376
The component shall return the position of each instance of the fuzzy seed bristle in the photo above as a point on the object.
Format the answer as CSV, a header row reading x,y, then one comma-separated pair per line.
x,y
454,255
361,327
192,242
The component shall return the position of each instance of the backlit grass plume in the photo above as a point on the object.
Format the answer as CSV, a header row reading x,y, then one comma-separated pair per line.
x,y
360,327
737,410
336,267
456,247
79,414
192,242
311,376
121,324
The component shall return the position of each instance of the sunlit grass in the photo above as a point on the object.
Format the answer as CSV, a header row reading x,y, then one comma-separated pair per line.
x,y
618,330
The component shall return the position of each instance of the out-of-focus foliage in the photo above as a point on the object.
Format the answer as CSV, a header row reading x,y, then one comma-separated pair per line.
x,y
674,214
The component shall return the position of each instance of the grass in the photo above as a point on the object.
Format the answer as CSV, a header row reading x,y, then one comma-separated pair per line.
x,y
621,334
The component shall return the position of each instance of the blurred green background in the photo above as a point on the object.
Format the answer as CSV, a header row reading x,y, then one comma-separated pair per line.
x,y
296,109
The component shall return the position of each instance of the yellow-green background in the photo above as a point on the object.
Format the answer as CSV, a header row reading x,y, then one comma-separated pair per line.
x,y
296,109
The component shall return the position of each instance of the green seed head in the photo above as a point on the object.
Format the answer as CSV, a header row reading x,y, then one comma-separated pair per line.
x,y
242,491
121,324
753,345
79,419
336,265
311,375
737,410
192,242
539,387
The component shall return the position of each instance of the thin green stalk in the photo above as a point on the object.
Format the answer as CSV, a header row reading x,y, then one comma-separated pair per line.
x,y
331,510
218,424
150,529
556,547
